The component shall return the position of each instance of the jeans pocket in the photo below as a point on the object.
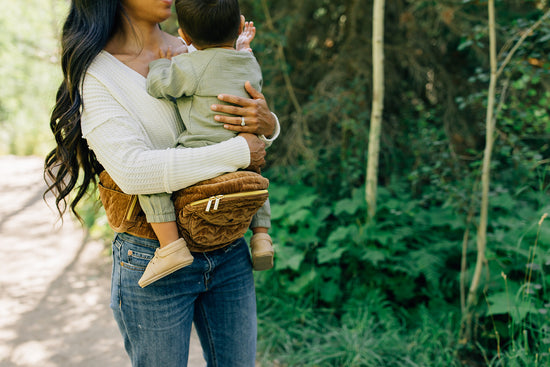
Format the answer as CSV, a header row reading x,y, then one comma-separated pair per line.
x,y
135,257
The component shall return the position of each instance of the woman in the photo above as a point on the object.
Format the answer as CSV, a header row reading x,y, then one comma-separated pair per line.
x,y
104,119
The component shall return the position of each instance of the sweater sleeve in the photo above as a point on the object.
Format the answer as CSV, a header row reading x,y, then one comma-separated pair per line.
x,y
172,79
124,149
275,135
138,169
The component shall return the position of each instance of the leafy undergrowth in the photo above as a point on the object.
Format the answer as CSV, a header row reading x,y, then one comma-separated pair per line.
x,y
387,293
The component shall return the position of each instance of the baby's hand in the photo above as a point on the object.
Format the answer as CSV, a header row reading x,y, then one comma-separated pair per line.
x,y
180,49
169,53
246,37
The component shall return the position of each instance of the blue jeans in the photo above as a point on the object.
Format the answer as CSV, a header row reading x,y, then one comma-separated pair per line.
x,y
216,292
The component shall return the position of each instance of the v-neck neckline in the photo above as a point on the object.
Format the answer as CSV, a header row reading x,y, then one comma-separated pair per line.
x,y
123,64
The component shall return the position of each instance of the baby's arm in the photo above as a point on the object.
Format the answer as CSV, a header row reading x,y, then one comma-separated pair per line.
x,y
170,76
246,37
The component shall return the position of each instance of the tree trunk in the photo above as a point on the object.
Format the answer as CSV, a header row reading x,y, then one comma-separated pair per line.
x,y
485,178
377,105
467,317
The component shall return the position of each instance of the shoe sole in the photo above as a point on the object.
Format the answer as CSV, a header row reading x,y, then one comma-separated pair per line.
x,y
164,273
262,262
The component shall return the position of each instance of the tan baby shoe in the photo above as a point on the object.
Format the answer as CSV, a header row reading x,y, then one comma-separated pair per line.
x,y
262,251
167,260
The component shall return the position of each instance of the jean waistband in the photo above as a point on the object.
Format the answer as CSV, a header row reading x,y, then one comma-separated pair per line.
x,y
154,243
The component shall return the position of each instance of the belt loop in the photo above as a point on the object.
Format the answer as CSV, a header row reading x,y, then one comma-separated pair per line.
x,y
116,241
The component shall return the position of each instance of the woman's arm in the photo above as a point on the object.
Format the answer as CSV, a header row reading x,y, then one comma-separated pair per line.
x,y
123,144
139,169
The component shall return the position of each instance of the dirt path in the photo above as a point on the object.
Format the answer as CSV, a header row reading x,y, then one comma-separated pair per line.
x,y
54,283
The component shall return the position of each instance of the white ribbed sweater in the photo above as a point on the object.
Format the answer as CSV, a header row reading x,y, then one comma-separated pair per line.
x,y
129,131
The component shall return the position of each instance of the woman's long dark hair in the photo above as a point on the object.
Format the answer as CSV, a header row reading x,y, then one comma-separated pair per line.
x,y
87,29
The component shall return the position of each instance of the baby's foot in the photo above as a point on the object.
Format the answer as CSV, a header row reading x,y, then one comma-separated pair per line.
x,y
167,260
262,251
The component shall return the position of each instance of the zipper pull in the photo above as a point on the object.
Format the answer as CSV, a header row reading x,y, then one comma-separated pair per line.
x,y
217,202
209,204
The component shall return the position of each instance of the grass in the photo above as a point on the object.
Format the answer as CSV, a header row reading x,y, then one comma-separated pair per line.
x,y
291,333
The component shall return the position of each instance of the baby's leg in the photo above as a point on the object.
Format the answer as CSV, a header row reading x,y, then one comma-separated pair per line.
x,y
173,253
167,232
260,230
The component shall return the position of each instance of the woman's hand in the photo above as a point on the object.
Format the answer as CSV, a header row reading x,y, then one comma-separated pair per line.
x,y
257,152
257,117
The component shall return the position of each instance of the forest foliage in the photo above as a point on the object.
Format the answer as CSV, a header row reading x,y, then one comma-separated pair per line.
x,y
436,81
346,291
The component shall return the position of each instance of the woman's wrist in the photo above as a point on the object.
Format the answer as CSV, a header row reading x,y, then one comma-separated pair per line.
x,y
268,140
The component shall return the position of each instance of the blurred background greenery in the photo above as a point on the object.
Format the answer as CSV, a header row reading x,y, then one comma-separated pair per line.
x,y
30,74
346,291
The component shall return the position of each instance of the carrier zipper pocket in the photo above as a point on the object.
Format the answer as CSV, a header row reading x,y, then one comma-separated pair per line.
x,y
216,199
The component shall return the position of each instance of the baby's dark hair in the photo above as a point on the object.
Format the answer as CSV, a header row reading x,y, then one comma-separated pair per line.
x,y
209,22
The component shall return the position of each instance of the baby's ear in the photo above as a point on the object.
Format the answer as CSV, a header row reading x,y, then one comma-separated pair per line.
x,y
185,37
241,26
